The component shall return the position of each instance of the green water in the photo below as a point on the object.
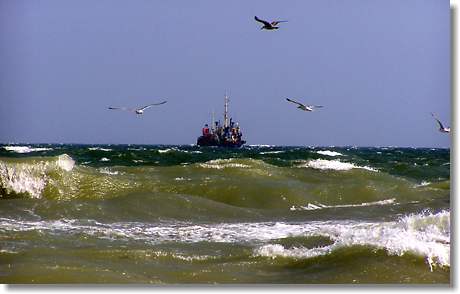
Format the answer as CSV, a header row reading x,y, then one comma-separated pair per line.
x,y
259,214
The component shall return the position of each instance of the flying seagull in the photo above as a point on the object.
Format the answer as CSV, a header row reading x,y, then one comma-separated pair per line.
x,y
304,107
442,129
138,110
269,25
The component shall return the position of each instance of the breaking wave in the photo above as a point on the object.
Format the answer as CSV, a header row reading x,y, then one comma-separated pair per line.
x,y
31,178
329,153
426,235
25,149
223,163
337,165
311,206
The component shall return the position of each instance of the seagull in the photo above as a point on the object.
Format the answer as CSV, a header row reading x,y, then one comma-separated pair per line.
x,y
442,129
139,110
304,107
269,25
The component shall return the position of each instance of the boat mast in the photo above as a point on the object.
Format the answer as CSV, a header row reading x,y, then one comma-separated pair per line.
x,y
212,121
225,111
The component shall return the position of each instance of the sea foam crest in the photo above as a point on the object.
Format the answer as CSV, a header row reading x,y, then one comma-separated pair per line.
x,y
323,164
329,153
31,177
25,149
223,163
311,206
99,149
425,234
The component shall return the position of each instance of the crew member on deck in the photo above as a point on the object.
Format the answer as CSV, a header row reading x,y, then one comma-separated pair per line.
x,y
205,130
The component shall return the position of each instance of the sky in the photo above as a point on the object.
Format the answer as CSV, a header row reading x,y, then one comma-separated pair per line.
x,y
378,67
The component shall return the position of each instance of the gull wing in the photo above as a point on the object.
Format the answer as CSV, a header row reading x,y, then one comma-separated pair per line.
x,y
122,108
439,122
295,102
262,21
150,105
274,23
318,106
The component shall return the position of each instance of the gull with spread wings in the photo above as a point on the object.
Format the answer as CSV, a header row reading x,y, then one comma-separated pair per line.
x,y
442,129
269,25
138,110
304,107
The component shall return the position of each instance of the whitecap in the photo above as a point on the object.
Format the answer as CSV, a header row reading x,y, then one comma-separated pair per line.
x,y
166,150
323,164
108,171
329,153
272,152
261,145
422,184
311,206
25,149
223,163
99,149
425,234
31,178
65,162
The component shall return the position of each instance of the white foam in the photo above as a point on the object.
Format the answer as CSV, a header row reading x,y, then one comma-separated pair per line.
x,y
23,179
25,149
425,234
261,145
166,150
323,164
65,162
104,159
329,153
272,152
32,177
223,163
108,171
422,184
99,149
311,206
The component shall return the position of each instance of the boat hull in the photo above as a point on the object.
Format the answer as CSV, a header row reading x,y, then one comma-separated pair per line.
x,y
212,141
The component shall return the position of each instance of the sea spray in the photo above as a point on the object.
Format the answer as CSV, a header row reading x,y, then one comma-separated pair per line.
x,y
31,178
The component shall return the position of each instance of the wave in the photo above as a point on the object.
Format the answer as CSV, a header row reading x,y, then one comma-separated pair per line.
x,y
241,182
31,178
223,163
108,171
272,152
25,149
311,206
100,149
337,165
329,153
425,234
167,150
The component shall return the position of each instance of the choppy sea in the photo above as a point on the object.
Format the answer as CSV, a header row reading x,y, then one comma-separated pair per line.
x,y
258,214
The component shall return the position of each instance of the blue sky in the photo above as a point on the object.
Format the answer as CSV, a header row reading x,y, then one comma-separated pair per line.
x,y
378,67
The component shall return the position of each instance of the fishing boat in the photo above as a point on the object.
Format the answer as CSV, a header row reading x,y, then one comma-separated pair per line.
x,y
227,134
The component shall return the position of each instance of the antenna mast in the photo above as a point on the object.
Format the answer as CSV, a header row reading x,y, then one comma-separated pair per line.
x,y
212,122
225,110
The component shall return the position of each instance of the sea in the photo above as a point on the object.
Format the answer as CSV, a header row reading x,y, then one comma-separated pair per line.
x,y
260,214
